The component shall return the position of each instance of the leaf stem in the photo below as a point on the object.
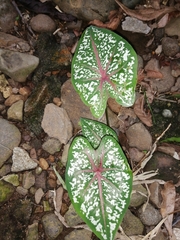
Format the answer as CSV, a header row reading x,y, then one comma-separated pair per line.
x,y
60,178
107,118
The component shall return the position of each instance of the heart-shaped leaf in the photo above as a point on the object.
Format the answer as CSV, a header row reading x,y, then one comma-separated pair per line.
x,y
94,131
104,65
99,184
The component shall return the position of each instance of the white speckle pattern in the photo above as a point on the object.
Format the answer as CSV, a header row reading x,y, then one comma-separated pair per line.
x,y
90,128
102,50
103,211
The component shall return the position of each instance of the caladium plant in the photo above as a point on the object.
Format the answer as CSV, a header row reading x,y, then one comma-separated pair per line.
x,y
98,178
104,65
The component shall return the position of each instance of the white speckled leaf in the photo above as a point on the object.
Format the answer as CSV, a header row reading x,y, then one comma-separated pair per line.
x,y
99,184
94,131
104,65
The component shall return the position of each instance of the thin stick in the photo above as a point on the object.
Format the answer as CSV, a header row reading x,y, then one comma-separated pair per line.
x,y
148,155
23,20
107,119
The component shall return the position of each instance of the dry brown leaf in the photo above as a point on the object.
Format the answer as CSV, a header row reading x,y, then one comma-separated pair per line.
x,y
141,75
168,194
163,21
145,117
154,74
146,14
170,149
113,23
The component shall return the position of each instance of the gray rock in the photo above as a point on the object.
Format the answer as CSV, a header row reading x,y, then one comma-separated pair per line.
x,y
139,137
7,15
135,25
150,216
28,180
52,226
79,235
17,65
41,180
177,85
32,232
11,42
152,65
42,23
131,224
155,191
71,217
38,195
52,145
67,38
87,10
15,112
138,196
22,191
56,123
167,113
10,137
170,46
6,191
21,160
130,3
6,168
164,84
172,26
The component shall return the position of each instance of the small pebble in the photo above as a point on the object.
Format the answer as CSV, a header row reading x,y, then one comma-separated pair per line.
x,y
43,164
51,183
170,46
38,195
57,101
21,190
167,113
42,23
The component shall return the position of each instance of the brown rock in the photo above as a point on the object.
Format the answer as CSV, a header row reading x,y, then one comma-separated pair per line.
x,y
25,91
87,10
155,197
51,183
61,127
11,42
171,29
42,23
164,84
43,164
113,105
12,99
139,137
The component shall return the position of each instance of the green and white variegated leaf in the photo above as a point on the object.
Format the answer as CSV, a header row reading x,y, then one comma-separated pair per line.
x,y
99,184
104,65
94,131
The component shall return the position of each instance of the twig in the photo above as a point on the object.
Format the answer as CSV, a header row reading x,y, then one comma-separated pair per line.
x,y
60,178
149,154
155,230
61,218
23,19
165,100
